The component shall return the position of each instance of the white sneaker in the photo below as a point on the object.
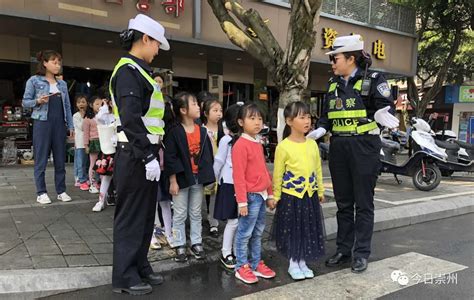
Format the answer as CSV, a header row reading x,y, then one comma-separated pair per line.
x,y
155,244
64,197
43,199
99,206
93,189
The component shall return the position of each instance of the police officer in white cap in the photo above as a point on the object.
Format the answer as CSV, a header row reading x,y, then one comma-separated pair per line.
x,y
138,107
357,103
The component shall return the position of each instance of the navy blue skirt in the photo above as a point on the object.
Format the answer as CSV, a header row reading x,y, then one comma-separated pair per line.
x,y
298,229
226,204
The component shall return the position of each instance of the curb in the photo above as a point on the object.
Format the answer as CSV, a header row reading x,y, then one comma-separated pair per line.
x,y
399,216
27,284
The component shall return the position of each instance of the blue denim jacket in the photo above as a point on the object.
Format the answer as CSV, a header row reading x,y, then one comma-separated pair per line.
x,y
37,85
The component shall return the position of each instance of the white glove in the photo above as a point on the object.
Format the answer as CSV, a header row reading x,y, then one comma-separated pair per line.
x,y
153,170
385,118
317,133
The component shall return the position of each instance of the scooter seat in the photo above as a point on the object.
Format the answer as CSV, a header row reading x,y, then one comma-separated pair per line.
x,y
465,145
447,145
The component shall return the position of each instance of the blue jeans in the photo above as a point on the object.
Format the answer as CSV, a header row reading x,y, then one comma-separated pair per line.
x,y
49,136
80,165
248,242
188,201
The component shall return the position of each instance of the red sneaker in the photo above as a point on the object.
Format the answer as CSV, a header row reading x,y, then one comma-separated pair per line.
x,y
264,271
245,274
84,186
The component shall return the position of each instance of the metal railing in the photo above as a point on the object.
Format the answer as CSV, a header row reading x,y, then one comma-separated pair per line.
x,y
381,13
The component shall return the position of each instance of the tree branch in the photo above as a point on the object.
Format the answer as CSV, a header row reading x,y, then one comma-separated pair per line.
x,y
251,18
238,36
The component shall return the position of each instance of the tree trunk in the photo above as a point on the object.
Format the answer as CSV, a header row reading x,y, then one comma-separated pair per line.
x,y
286,96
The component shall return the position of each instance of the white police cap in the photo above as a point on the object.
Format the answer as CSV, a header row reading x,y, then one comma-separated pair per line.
x,y
150,27
347,43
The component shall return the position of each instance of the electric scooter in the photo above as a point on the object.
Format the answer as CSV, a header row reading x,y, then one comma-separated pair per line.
x,y
422,164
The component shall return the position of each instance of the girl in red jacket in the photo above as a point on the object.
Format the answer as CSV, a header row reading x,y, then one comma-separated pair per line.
x,y
253,187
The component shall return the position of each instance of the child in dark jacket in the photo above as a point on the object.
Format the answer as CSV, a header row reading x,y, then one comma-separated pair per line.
x,y
189,165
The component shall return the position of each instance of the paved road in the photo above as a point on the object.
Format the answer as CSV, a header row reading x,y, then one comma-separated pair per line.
x,y
427,249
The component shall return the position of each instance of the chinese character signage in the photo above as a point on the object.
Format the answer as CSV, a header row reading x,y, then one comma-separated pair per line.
x,y
378,49
175,7
330,34
466,94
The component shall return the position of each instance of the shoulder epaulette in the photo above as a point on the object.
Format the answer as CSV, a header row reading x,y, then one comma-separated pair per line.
x,y
374,75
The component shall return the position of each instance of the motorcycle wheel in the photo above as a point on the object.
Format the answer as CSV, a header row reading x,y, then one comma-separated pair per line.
x,y
430,181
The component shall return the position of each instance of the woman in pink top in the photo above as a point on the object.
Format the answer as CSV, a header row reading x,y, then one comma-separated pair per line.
x,y
91,139
253,187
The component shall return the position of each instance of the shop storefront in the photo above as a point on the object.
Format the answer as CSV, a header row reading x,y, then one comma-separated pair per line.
x,y
201,56
463,111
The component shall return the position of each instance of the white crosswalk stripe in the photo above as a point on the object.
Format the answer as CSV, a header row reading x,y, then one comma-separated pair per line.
x,y
381,278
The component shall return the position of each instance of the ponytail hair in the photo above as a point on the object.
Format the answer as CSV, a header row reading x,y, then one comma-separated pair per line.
x,y
293,110
128,37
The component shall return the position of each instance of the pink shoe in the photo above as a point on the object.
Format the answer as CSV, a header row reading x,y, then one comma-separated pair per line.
x,y
77,184
84,186
264,271
245,274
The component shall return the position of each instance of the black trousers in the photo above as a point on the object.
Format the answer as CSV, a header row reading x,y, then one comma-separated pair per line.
x,y
134,219
354,164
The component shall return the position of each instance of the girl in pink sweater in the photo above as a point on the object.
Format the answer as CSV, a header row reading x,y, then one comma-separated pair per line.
x,y
253,188
91,139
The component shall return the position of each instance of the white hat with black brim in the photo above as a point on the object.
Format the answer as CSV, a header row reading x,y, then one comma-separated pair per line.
x,y
347,44
150,27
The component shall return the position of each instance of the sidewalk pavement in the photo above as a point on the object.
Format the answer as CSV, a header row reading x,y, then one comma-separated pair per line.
x,y
61,246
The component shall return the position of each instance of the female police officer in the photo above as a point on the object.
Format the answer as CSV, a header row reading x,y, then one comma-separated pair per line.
x,y
138,108
355,98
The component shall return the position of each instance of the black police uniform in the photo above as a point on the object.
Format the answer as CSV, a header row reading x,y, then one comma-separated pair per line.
x,y
136,196
354,159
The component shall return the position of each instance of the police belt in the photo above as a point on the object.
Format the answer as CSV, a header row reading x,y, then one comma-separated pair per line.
x,y
153,138
354,127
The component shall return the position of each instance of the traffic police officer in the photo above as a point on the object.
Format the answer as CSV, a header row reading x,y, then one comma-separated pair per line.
x,y
356,101
138,108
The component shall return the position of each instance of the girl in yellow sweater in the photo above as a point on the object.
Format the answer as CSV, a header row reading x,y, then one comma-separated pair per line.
x,y
298,190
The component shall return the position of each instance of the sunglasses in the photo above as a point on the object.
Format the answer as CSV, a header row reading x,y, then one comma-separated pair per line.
x,y
333,59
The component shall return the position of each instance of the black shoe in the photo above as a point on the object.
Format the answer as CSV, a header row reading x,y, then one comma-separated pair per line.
x,y
110,199
359,265
198,251
181,254
136,290
153,279
337,260
228,261
214,232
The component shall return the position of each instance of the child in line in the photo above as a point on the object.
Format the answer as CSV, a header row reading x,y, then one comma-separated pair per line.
x,y
164,215
91,139
226,205
253,187
298,190
80,162
188,163
212,114
104,165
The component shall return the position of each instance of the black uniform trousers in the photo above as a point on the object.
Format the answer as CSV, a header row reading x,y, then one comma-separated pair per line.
x,y
134,218
354,165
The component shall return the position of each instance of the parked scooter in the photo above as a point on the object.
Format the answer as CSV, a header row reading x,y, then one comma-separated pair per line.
x,y
422,164
460,154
